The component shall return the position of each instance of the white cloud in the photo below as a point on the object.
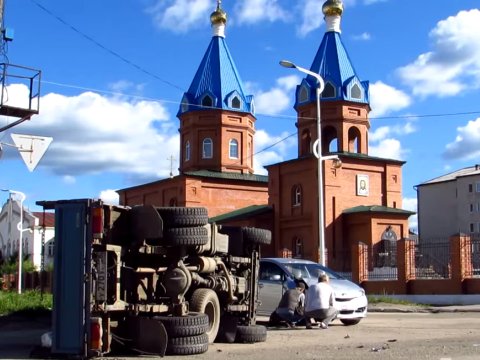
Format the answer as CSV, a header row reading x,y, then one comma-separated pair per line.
x,y
385,99
110,197
94,134
411,205
363,36
312,16
453,65
179,16
387,148
253,11
271,149
467,143
278,98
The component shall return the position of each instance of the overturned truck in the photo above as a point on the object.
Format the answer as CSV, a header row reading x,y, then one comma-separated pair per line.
x,y
151,280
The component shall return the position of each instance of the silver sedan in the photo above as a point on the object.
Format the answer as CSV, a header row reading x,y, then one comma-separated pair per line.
x,y
279,274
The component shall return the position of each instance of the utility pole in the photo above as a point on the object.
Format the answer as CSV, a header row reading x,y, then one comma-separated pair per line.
x,y
172,159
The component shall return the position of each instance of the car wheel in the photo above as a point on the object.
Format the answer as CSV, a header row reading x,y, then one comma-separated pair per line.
x,y
183,216
349,322
188,345
251,334
206,301
195,323
189,236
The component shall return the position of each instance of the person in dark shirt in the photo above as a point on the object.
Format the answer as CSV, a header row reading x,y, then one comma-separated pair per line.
x,y
291,301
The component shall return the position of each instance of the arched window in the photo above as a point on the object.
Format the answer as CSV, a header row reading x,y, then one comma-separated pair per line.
x,y
356,92
296,195
207,152
187,151
207,101
233,146
303,94
184,105
329,91
236,103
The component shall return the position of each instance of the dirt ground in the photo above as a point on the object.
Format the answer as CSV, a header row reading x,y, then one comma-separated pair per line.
x,y
401,333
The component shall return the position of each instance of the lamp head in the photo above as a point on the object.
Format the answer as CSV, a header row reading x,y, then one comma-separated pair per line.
x,y
337,163
287,64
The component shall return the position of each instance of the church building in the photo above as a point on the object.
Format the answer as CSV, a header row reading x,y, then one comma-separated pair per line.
x,y
361,195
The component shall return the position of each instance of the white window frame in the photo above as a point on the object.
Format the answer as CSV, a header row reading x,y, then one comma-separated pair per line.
x,y
207,148
187,151
233,149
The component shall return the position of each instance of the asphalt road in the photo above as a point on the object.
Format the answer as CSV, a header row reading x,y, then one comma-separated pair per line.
x,y
382,335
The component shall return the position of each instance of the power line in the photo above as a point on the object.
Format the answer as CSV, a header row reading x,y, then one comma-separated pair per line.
x,y
103,47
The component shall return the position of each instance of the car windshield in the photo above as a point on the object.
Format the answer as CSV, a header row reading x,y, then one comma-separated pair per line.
x,y
310,271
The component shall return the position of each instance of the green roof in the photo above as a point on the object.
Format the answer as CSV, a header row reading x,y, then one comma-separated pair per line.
x,y
377,209
227,175
245,212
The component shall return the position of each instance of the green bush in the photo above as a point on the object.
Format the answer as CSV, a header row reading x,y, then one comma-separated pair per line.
x,y
29,302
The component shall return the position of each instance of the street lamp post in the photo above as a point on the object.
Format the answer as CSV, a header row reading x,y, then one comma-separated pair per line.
x,y
317,150
21,230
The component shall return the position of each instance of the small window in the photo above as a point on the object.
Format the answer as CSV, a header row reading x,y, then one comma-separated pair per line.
x,y
184,105
207,101
477,187
303,94
329,91
233,146
207,152
356,92
296,195
187,151
236,103
472,227
470,187
471,208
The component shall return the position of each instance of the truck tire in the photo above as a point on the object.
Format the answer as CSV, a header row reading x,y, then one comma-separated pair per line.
x,y
256,236
183,216
180,326
189,236
206,301
189,345
251,334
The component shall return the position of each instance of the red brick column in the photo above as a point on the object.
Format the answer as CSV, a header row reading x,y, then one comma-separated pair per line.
x,y
405,260
461,257
359,262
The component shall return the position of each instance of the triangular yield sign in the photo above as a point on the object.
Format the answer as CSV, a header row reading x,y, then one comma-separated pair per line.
x,y
31,148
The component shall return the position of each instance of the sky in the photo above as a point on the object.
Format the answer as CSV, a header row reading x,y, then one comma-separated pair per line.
x,y
113,74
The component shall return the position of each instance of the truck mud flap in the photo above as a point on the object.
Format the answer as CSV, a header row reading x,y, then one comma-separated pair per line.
x,y
151,337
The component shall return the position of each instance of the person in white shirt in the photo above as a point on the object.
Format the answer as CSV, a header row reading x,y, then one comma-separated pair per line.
x,y
320,303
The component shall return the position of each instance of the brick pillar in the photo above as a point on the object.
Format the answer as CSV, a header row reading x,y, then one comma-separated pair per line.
x,y
405,260
461,257
359,262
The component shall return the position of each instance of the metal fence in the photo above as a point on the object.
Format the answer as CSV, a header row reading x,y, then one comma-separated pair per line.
x,y
432,259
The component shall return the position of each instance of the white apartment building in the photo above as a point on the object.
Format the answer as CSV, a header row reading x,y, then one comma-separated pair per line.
x,y
32,236
450,204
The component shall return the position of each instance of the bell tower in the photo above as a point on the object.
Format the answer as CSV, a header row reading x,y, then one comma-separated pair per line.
x,y
344,101
217,121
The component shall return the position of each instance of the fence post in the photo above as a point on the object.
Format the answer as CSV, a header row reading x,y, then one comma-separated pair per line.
x,y
461,257
405,260
359,262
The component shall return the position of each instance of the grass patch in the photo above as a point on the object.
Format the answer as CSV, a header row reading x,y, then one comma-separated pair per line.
x,y
30,302
376,299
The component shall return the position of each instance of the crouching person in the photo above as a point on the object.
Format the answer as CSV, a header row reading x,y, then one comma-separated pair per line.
x,y
290,307
320,303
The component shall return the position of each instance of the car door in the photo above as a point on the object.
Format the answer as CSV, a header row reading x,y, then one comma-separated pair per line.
x,y
270,284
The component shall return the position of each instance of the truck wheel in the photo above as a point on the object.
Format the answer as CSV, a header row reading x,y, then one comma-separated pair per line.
x,y
189,345
206,301
183,216
192,324
185,236
257,236
251,334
